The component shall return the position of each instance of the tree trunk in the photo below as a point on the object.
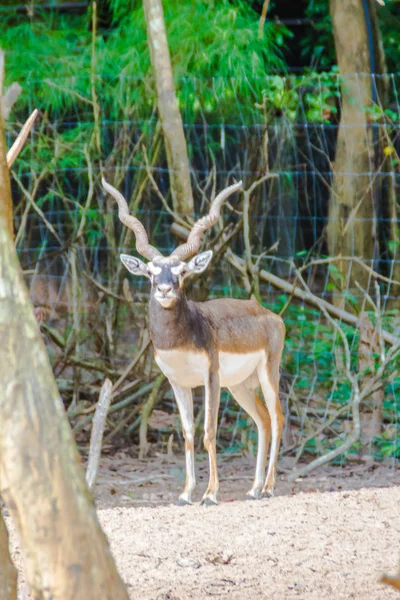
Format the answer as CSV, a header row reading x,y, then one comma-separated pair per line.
x,y
352,218
171,122
394,248
8,573
386,185
66,555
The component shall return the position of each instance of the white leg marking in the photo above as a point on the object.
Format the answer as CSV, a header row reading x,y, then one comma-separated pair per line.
x,y
212,399
270,397
184,401
246,398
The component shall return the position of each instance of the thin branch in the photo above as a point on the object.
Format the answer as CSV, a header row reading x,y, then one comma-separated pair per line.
x,y
96,438
68,91
122,422
262,19
392,354
118,406
290,288
17,146
39,211
146,413
89,195
160,195
246,229
307,296
22,226
132,364
322,261
103,289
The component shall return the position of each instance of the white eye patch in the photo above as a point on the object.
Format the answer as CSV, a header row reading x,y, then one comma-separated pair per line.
x,y
153,269
178,270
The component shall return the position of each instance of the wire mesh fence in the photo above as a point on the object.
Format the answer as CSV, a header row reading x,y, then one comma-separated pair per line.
x,y
68,238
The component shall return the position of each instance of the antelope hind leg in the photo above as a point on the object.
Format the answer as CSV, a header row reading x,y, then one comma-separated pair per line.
x,y
253,405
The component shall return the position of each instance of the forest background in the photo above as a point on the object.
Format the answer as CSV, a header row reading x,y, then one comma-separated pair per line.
x,y
308,121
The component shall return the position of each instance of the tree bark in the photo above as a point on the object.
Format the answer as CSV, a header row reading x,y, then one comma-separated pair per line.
x,y
171,121
66,554
8,573
352,218
394,249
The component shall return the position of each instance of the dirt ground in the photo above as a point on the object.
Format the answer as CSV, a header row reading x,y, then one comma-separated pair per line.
x,y
127,481
330,535
310,546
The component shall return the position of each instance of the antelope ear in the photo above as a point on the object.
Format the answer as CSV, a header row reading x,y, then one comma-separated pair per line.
x,y
134,265
199,263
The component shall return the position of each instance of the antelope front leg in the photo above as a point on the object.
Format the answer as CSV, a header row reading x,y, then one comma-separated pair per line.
x,y
184,400
212,393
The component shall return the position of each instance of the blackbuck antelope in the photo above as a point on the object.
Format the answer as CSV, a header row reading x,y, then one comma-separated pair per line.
x,y
229,343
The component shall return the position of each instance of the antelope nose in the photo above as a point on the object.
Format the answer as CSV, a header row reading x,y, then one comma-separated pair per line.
x,y
164,288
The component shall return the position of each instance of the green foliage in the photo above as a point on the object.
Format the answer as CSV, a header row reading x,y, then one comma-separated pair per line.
x,y
220,41
389,22
313,363
318,44
224,74
309,97
222,70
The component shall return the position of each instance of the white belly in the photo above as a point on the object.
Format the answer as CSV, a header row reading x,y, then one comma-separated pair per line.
x,y
236,368
190,369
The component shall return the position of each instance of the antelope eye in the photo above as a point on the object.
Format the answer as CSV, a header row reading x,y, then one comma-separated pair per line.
x,y
153,270
178,270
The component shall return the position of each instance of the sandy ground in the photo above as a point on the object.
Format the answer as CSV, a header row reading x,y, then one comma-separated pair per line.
x,y
310,546
320,537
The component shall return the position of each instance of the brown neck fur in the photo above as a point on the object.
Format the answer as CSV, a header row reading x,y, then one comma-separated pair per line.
x,y
182,326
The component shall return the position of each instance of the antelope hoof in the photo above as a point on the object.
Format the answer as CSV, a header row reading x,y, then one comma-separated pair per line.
x,y
210,500
267,494
254,494
184,500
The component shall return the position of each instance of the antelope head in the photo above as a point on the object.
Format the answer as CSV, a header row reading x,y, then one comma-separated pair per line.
x,y
167,274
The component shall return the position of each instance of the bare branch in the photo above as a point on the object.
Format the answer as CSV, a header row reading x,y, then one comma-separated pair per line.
x,y
96,438
146,412
102,288
9,99
309,297
262,19
290,288
158,192
39,211
21,139
68,91
322,261
132,364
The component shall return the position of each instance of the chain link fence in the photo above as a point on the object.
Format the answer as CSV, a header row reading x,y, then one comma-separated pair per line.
x,y
69,238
